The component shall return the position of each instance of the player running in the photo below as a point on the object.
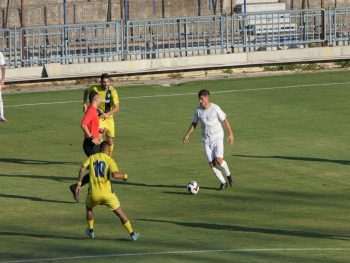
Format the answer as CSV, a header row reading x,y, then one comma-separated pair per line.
x,y
107,109
211,116
101,165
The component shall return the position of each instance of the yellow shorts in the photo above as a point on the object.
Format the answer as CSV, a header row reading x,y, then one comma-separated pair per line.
x,y
108,125
110,200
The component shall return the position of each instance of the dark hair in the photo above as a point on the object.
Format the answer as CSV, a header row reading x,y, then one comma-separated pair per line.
x,y
92,95
104,146
203,92
104,76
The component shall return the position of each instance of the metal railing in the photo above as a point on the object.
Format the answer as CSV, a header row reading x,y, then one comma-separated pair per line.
x,y
164,38
338,26
175,37
77,43
280,29
10,43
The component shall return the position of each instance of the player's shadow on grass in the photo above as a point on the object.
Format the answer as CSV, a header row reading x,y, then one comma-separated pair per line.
x,y
45,177
54,236
281,232
35,162
294,158
163,186
33,198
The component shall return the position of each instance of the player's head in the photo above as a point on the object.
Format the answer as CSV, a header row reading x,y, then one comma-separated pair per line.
x,y
105,81
94,97
204,98
104,147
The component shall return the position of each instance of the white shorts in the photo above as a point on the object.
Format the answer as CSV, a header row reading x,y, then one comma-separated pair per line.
x,y
214,149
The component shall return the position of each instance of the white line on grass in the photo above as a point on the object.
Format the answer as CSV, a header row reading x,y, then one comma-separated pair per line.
x,y
246,250
190,93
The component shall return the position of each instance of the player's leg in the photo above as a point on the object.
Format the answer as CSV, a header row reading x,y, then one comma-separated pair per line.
x,y
90,222
126,223
220,162
113,203
89,149
2,117
73,187
210,157
110,134
110,141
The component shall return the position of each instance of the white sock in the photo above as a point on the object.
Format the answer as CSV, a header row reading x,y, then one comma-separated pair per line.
x,y
218,174
1,107
224,167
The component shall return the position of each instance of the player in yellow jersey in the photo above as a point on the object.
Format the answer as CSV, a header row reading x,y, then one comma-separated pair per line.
x,y
101,166
108,107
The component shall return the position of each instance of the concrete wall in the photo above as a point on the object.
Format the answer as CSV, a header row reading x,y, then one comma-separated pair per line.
x,y
48,12
57,71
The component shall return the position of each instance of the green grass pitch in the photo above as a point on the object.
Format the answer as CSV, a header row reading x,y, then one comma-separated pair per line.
x,y
290,201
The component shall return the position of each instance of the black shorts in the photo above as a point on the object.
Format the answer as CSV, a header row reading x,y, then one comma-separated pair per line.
x,y
90,148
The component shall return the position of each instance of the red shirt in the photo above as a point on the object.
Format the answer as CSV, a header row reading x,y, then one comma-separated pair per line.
x,y
91,121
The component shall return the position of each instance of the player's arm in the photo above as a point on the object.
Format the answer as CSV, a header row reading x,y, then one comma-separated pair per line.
x,y
84,124
231,137
115,171
85,99
119,175
86,130
2,82
89,135
112,112
115,107
190,130
80,179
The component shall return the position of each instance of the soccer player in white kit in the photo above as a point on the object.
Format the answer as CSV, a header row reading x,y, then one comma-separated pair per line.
x,y
2,83
211,118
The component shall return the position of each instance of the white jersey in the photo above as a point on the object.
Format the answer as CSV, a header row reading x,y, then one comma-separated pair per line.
x,y
2,60
210,120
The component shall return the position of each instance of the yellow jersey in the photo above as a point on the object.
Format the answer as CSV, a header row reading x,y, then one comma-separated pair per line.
x,y
109,98
100,166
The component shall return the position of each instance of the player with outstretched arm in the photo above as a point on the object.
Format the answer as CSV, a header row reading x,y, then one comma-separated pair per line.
x,y
211,118
101,166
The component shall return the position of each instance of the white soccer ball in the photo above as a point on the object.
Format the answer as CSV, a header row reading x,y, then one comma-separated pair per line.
x,y
193,188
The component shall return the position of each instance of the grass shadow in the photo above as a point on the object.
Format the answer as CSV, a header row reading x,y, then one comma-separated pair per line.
x,y
294,158
176,193
33,198
34,162
163,185
281,232
53,236
45,177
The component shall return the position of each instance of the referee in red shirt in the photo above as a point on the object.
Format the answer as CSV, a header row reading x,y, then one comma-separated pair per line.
x,y
90,126
92,136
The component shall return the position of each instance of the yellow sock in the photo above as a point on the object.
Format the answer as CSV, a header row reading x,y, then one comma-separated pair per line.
x,y
128,227
111,147
90,224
